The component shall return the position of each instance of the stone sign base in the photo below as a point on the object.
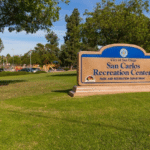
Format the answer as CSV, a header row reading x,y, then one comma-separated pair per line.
x,y
99,90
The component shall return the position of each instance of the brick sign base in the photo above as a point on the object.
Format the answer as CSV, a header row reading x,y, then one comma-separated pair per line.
x,y
100,90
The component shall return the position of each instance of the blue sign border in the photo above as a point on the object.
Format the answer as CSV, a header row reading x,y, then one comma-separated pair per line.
x,y
114,52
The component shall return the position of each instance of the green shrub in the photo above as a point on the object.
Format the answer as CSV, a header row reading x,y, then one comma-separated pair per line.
x,y
66,69
18,73
12,73
40,72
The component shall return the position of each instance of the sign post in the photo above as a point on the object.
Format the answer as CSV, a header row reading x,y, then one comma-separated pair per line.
x,y
115,68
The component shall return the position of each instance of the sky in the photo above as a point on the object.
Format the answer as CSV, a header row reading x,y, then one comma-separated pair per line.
x,y
20,43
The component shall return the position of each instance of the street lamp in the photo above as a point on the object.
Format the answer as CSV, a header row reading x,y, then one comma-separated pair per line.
x,y
30,59
13,56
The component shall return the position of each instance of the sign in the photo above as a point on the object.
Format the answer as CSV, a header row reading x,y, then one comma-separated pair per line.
x,y
115,64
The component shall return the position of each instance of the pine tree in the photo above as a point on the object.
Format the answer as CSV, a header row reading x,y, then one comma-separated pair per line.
x,y
52,45
72,38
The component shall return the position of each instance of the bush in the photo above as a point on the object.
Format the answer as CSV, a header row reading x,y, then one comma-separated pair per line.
x,y
18,73
12,73
40,72
66,69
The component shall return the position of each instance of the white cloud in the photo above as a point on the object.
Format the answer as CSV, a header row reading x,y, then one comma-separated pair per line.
x,y
22,42
19,47
38,34
60,32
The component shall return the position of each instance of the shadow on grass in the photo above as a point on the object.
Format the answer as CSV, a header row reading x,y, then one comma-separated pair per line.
x,y
64,75
79,122
7,82
62,91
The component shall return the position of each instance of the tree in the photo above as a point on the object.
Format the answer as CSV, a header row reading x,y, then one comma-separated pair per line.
x,y
8,57
28,15
40,49
25,59
44,54
72,38
36,58
123,23
15,59
1,45
52,38
63,55
3,59
52,45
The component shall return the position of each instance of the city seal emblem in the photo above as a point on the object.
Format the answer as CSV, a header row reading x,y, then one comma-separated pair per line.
x,y
123,52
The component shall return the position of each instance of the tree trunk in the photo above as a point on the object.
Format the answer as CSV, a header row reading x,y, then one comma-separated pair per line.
x,y
71,67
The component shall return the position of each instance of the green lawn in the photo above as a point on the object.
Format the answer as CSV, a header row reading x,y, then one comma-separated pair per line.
x,y
37,113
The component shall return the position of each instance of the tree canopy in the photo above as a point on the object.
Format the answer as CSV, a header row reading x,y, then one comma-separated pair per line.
x,y
52,45
28,15
43,54
123,23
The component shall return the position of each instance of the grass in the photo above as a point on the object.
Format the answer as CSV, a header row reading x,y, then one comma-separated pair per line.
x,y
37,113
